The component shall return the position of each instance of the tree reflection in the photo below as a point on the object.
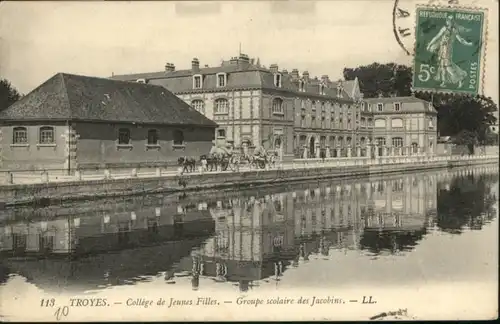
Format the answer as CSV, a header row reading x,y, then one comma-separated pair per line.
x,y
392,241
468,202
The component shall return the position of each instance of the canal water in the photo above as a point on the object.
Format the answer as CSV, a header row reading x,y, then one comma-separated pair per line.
x,y
404,230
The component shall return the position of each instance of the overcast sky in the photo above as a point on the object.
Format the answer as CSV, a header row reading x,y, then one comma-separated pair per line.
x,y
39,39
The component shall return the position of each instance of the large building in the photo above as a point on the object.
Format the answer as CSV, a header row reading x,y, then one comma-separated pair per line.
x,y
73,121
403,125
297,115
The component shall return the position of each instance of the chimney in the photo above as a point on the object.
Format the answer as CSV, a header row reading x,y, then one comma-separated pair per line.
x,y
169,67
295,74
206,65
305,75
195,65
325,78
273,68
284,72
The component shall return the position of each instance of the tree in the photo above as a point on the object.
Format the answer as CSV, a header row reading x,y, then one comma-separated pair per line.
x,y
455,112
8,94
467,138
386,79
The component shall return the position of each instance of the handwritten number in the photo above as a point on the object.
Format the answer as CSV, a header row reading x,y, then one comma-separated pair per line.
x,y
61,312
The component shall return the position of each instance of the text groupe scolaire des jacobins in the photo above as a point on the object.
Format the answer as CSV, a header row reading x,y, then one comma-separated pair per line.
x,y
206,301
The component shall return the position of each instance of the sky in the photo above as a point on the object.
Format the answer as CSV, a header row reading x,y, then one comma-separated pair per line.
x,y
39,39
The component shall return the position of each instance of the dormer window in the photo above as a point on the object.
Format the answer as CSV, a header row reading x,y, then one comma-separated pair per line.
x,y
221,80
302,86
277,80
380,107
339,92
197,81
321,89
397,106
141,81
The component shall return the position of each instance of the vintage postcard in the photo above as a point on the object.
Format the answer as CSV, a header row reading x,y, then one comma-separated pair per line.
x,y
249,160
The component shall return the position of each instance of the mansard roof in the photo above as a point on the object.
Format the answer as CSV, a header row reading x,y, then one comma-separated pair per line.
x,y
241,75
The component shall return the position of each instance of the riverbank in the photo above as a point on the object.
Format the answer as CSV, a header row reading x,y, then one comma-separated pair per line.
x,y
42,194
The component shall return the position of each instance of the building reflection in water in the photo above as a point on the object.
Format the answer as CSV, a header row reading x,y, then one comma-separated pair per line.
x,y
90,248
246,238
257,239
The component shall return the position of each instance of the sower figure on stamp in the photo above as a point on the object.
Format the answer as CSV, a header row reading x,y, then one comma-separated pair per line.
x,y
442,45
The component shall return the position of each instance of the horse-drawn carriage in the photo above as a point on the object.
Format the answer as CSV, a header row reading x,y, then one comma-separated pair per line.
x,y
222,159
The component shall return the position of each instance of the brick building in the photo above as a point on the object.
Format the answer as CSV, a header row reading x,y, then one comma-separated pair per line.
x,y
403,125
296,115
73,121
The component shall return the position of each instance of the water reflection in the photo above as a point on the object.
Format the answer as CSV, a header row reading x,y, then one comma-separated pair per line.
x,y
241,238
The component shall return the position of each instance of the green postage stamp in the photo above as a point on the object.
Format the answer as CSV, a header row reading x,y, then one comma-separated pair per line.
x,y
449,50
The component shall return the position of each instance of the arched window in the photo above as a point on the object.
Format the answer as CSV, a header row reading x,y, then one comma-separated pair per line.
x,y
20,135
349,141
340,140
221,106
46,135
362,141
397,141
277,107
123,136
152,137
178,137
199,105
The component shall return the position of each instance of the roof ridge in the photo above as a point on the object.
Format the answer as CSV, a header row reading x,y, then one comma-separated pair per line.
x,y
66,93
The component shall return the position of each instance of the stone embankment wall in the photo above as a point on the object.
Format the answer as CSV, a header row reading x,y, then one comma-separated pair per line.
x,y
47,193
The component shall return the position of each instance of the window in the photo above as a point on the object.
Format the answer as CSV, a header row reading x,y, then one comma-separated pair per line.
x,y
221,79
178,137
380,107
380,123
152,137
277,80
431,124
397,142
363,122
313,105
369,108
322,106
397,106
46,135
277,107
221,133
301,86
396,123
199,105
414,148
123,136
197,82
380,141
313,121
221,106
321,89
20,135
303,121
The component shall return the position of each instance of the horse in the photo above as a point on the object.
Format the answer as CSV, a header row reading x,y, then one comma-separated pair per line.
x,y
187,164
